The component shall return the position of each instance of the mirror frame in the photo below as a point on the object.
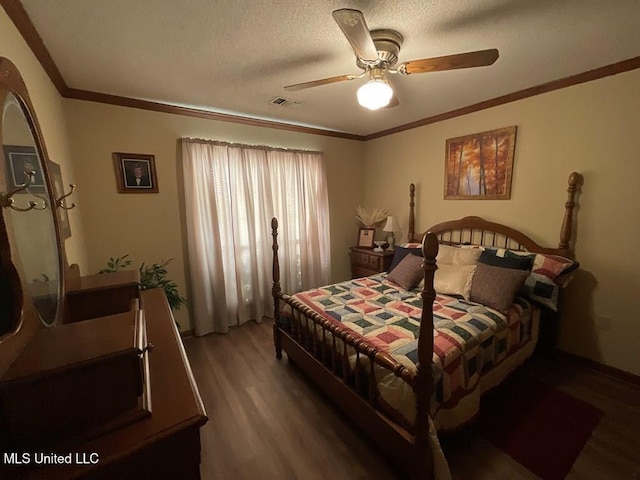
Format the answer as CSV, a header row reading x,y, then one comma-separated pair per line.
x,y
12,342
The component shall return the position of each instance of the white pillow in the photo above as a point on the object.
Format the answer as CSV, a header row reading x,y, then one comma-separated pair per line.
x,y
445,255
453,280
448,255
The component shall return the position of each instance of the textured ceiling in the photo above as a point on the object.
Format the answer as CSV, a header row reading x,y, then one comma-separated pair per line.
x,y
235,56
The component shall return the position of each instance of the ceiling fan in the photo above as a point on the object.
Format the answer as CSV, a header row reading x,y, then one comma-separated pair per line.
x,y
377,54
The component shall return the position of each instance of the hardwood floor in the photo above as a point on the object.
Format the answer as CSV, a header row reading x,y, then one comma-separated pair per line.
x,y
269,421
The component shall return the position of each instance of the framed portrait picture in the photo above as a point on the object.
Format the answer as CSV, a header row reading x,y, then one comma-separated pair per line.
x,y
58,193
135,173
22,159
366,236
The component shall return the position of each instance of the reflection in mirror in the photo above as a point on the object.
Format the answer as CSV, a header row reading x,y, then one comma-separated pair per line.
x,y
31,231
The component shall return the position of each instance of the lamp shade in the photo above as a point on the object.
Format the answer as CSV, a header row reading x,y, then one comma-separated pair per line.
x,y
392,224
375,94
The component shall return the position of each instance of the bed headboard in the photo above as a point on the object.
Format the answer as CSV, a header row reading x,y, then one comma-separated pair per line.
x,y
477,231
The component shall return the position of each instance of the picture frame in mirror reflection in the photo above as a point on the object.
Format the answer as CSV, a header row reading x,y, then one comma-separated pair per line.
x,y
135,173
55,173
21,160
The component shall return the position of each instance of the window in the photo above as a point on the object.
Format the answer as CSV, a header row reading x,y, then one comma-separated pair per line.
x,y
232,192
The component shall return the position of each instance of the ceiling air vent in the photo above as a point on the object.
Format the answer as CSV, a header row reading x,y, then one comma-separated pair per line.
x,y
283,102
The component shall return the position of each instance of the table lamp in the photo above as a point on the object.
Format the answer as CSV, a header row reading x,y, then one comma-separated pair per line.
x,y
392,226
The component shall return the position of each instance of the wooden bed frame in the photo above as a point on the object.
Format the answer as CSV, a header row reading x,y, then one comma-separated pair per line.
x,y
408,449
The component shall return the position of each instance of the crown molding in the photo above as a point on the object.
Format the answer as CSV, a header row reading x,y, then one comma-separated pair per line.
x,y
199,113
21,20
606,71
19,17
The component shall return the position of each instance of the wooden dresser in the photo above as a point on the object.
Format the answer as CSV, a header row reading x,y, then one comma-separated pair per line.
x,y
96,295
164,445
94,380
365,262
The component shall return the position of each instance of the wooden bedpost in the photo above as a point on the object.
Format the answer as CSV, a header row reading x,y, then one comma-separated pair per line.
x,y
275,289
411,234
567,222
423,385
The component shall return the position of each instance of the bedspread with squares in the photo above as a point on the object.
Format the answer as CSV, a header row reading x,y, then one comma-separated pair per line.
x,y
469,339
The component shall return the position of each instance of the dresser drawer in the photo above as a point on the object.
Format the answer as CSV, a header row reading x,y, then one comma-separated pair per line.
x,y
364,259
366,262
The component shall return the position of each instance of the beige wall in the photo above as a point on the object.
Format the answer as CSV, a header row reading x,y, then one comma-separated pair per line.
x,y
590,128
151,227
49,110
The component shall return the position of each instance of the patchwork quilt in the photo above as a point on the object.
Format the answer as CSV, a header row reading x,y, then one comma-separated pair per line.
x,y
469,339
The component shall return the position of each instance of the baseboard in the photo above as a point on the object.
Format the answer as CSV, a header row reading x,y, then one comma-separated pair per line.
x,y
187,333
614,372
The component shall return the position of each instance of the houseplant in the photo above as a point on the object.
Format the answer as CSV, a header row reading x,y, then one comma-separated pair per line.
x,y
153,276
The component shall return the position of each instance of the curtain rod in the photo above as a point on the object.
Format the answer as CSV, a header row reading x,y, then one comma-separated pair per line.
x,y
243,145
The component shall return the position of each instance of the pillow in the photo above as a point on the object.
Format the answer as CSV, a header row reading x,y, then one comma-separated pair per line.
x,y
549,273
454,279
466,256
445,255
555,267
408,272
542,290
448,255
399,253
516,262
496,287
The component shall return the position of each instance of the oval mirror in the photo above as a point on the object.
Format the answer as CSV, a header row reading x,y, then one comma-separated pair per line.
x,y
29,220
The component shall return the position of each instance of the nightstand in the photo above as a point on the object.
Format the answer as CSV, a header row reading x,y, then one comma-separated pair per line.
x,y
365,262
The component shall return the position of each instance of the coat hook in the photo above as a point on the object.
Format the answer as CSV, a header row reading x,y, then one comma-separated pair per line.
x,y
6,199
60,201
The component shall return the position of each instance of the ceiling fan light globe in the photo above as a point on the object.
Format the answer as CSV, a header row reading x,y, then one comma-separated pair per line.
x,y
375,94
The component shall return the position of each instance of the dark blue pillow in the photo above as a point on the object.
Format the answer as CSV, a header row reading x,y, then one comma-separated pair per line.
x,y
515,262
399,253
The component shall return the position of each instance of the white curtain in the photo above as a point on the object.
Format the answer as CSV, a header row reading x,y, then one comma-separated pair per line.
x,y
232,192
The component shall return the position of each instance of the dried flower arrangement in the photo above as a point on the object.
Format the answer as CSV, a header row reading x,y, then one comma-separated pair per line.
x,y
371,218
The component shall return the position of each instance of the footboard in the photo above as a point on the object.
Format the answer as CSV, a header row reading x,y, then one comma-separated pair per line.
x,y
344,364
341,352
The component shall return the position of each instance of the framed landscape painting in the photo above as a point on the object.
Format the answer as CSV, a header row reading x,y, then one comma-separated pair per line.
x,y
480,166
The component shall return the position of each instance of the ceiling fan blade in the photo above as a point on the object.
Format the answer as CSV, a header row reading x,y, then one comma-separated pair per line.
x,y
317,83
352,24
450,62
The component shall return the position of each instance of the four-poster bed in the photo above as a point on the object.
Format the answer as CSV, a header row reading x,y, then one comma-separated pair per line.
x,y
393,382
